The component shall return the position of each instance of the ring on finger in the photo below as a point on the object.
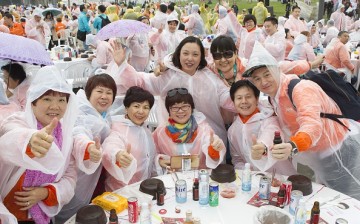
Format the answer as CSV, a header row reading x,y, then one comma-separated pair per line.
x,y
28,203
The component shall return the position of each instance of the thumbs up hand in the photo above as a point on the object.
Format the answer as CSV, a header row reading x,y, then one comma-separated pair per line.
x,y
257,148
124,157
94,151
216,142
40,142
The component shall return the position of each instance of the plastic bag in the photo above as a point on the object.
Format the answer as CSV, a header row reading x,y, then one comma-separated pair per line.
x,y
272,215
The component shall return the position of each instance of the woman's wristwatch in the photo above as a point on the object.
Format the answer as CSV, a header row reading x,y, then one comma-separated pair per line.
x,y
294,149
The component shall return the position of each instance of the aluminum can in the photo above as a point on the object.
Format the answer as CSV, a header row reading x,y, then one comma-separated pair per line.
x,y
213,194
288,187
133,209
264,188
341,221
180,191
203,187
294,201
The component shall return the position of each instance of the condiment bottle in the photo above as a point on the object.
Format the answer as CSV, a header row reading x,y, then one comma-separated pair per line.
x,y
195,189
281,197
315,213
277,138
160,195
113,219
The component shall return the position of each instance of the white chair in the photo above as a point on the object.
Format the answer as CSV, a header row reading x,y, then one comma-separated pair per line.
x,y
63,35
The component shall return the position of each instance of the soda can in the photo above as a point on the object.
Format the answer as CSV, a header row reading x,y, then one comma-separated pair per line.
x,y
213,194
288,187
180,191
133,209
294,201
341,221
264,188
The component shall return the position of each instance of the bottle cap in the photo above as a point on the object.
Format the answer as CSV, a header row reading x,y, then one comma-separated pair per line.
x,y
277,133
247,165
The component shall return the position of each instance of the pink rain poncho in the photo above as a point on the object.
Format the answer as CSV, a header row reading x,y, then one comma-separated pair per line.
x,y
123,132
104,51
227,24
247,40
166,147
31,28
295,26
333,151
139,46
339,18
263,125
16,132
301,50
90,124
209,92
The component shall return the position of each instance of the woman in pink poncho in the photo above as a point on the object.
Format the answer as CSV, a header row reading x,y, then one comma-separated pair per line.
x,y
186,132
129,151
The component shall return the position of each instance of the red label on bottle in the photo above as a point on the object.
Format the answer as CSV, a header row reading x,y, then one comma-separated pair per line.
x,y
280,202
315,219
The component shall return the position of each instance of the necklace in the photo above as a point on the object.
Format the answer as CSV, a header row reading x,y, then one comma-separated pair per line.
x,y
231,80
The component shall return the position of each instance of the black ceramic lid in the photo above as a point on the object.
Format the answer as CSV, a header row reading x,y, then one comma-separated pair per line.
x,y
91,214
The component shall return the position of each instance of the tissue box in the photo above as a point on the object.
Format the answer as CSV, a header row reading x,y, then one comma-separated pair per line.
x,y
110,201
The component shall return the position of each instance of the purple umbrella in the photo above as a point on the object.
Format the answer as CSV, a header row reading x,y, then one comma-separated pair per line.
x,y
122,28
22,49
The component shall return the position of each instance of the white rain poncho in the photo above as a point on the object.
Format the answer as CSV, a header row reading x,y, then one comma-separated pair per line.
x,y
263,125
301,50
17,130
6,216
90,124
227,24
195,25
123,132
334,151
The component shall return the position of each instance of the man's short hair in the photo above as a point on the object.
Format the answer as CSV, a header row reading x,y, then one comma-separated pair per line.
x,y
272,19
102,8
82,7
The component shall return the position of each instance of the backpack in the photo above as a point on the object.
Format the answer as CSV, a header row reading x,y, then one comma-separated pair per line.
x,y
104,21
342,92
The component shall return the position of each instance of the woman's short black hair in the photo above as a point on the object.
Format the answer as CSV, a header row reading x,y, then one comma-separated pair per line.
x,y
240,84
138,95
103,80
223,43
179,98
16,71
250,17
189,39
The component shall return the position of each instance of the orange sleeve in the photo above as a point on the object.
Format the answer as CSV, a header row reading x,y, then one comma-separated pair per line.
x,y
87,154
51,199
28,151
213,153
302,141
118,164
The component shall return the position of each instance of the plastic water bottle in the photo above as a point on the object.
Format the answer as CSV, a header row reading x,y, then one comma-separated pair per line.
x,y
203,187
246,178
300,214
145,214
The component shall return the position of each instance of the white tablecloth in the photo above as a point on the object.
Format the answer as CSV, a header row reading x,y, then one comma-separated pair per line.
x,y
76,72
236,210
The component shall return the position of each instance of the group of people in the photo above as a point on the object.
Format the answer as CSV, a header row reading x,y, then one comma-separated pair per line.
x,y
217,94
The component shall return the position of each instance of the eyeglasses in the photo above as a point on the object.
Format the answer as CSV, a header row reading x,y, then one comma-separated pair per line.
x,y
172,92
226,54
183,108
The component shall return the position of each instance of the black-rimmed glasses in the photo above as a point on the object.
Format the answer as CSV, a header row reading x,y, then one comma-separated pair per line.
x,y
226,54
173,92
183,108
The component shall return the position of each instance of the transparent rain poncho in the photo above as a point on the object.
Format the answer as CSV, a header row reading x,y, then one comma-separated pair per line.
x,y
17,130
334,152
